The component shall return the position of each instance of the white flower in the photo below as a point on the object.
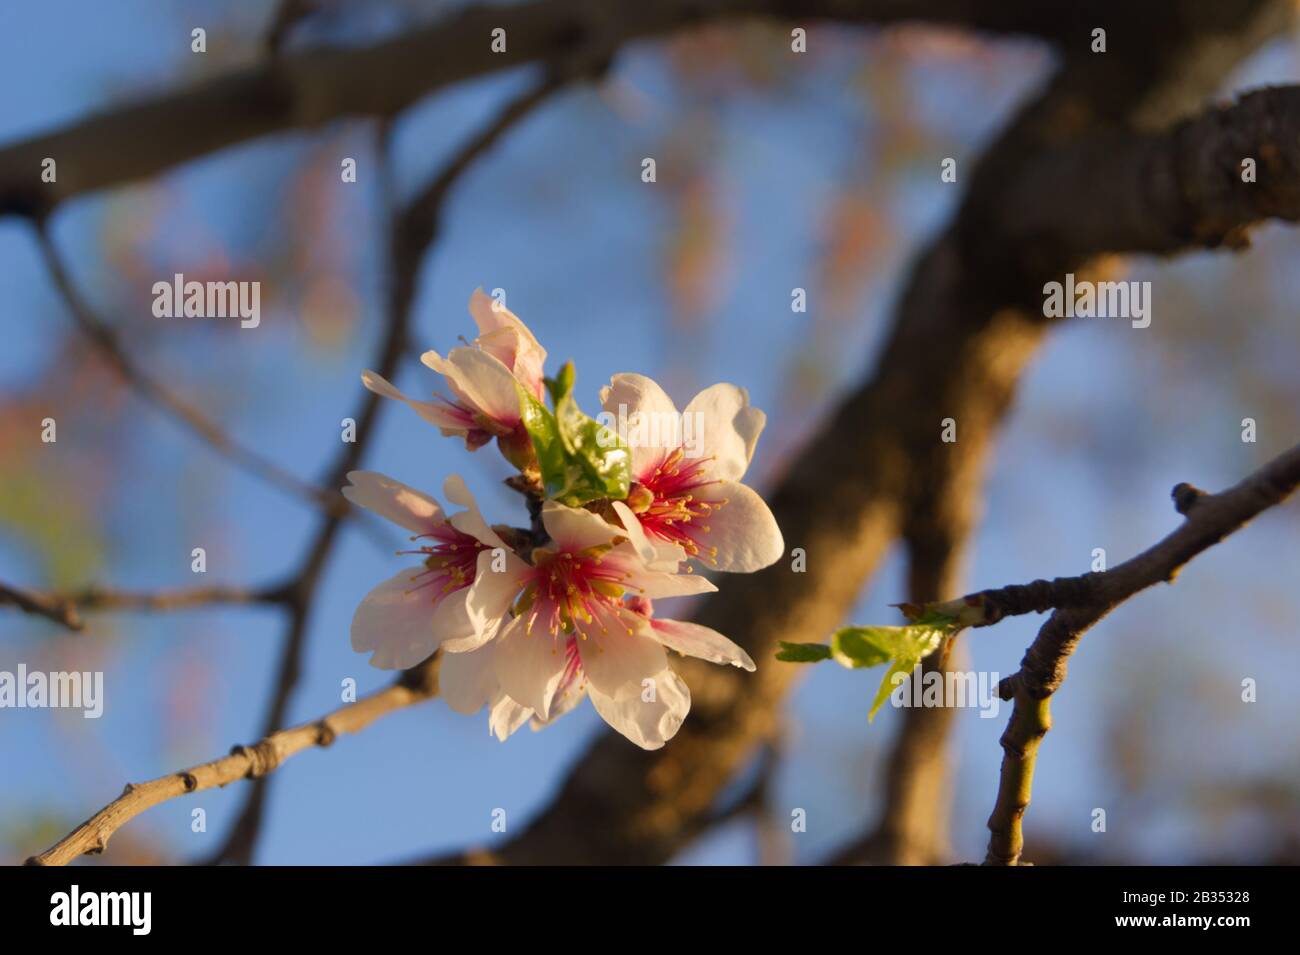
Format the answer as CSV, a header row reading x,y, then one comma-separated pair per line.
x,y
408,616
691,496
577,622
482,378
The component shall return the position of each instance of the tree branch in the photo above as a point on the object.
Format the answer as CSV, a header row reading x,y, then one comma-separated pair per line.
x,y
1210,518
66,609
1080,603
42,605
308,89
1160,191
244,762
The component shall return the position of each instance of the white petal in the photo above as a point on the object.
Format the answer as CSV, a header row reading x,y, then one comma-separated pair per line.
x,y
394,501
656,554
703,642
437,413
566,699
645,550
616,661
646,415
470,521
728,428
488,599
743,530
489,315
506,716
395,623
651,724
651,582
468,680
451,622
504,335
529,668
481,381
575,528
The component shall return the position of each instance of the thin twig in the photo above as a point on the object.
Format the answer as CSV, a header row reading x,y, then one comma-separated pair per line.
x,y
1209,519
43,605
244,762
66,608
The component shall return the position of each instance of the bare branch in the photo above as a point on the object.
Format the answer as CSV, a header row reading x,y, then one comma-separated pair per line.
x,y
1082,601
1210,518
67,608
244,762
308,89
1162,191
42,605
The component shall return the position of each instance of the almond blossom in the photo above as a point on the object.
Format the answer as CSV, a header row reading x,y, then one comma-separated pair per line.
x,y
578,621
529,621
407,617
692,498
482,377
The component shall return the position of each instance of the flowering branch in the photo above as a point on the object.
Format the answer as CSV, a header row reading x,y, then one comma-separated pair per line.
x,y
411,233
244,762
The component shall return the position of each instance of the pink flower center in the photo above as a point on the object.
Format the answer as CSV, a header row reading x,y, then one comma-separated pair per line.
x,y
573,593
676,514
450,560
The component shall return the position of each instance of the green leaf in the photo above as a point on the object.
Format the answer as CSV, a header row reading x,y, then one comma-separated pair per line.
x,y
855,648
803,652
887,684
580,459
859,647
545,434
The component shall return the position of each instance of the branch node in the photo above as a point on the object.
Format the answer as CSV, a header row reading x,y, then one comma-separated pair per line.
x,y
1185,497
262,758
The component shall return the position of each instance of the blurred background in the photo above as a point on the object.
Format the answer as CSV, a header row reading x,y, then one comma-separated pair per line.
x,y
823,177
